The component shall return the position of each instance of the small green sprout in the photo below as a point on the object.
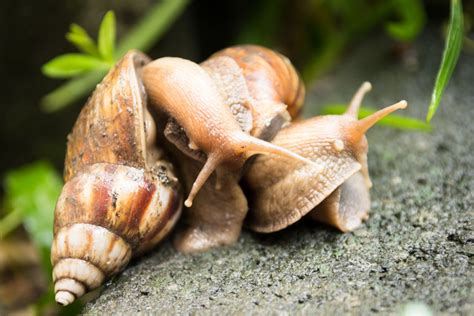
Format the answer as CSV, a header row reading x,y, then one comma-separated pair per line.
x,y
93,56
87,68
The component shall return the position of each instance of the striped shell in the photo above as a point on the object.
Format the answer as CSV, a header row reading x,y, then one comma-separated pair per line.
x,y
269,75
120,197
261,86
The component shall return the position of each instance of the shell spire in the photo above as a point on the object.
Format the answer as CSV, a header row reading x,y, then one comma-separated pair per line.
x,y
119,198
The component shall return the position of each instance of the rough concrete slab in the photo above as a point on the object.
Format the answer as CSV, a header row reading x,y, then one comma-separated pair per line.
x,y
416,246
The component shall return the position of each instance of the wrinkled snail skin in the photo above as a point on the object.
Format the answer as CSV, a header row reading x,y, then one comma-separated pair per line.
x,y
215,219
283,191
347,206
187,93
120,196
259,86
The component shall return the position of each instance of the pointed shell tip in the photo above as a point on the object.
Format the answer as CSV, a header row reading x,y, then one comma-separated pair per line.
x,y
64,298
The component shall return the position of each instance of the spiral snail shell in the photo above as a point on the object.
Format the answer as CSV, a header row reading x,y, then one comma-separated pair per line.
x,y
120,197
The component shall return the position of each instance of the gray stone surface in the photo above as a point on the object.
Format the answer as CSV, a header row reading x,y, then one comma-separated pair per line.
x,y
416,246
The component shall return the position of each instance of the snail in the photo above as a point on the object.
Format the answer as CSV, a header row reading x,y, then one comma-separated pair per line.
x,y
186,92
283,191
263,91
120,196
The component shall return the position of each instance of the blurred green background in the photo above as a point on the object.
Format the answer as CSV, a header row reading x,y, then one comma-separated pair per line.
x,y
314,34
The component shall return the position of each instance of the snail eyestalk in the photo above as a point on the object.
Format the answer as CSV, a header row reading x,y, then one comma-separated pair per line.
x,y
211,164
354,106
254,146
361,126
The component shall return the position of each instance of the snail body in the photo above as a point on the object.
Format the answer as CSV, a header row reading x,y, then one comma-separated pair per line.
x,y
261,88
187,93
120,196
284,191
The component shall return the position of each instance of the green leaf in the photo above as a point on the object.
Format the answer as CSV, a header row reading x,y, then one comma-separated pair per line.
x,y
392,120
451,53
69,65
152,26
106,38
79,37
10,222
412,20
32,191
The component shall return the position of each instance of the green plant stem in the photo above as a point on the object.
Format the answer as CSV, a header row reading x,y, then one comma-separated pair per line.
x,y
71,91
152,26
142,37
392,120
11,221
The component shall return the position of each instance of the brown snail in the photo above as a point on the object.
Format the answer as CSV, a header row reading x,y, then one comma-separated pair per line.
x,y
187,93
121,196
262,89
284,191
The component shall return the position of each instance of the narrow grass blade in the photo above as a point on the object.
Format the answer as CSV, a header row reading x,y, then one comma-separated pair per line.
x,y
152,26
396,121
78,36
451,53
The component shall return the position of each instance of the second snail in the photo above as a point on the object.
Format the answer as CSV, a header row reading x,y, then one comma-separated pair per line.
x,y
220,133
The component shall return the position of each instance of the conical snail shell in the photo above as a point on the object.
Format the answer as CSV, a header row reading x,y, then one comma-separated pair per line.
x,y
120,198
